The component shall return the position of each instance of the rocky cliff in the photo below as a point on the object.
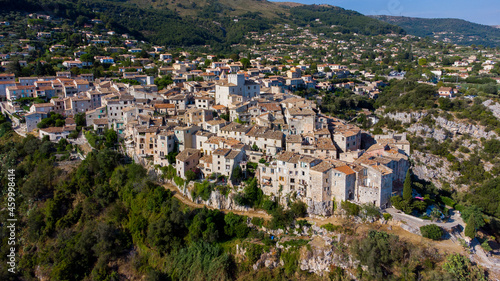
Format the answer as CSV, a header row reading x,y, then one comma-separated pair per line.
x,y
442,128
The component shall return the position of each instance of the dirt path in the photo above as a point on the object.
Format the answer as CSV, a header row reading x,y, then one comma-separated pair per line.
x,y
186,201
444,246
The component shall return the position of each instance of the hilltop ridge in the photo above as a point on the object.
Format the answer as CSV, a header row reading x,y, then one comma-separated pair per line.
x,y
447,29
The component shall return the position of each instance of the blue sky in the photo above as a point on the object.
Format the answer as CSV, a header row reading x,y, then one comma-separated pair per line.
x,y
479,11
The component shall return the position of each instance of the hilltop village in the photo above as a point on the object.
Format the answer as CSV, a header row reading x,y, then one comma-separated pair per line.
x,y
225,123
216,114
201,140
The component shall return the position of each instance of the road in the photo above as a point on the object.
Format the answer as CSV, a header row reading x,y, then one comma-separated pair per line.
x,y
412,221
478,255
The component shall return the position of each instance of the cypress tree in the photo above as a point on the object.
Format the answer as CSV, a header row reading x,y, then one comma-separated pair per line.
x,y
407,187
470,230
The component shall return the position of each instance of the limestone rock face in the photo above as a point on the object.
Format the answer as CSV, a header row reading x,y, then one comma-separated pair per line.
x,y
319,208
443,128
433,168
216,200
270,260
494,107
320,260
406,117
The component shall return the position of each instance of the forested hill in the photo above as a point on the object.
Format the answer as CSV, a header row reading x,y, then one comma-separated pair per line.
x,y
218,23
455,30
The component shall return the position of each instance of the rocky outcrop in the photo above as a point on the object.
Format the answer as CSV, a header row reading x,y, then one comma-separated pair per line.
x,y
433,168
319,258
270,260
216,200
443,128
494,107
319,208
406,117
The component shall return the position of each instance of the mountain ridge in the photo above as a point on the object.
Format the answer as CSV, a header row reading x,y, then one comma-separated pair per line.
x,y
446,29
206,22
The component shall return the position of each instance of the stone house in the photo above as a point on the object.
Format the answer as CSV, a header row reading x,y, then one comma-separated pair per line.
x,y
187,160
224,160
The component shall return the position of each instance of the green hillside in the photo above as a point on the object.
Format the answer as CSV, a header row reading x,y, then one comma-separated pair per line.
x,y
202,22
455,30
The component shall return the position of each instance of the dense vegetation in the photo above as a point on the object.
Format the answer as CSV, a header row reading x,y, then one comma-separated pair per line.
x,y
460,31
78,225
210,24
345,21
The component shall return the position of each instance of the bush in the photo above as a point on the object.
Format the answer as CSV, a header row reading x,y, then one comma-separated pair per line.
x,y
351,208
202,190
448,201
297,243
459,208
253,253
258,221
168,172
179,181
399,203
330,227
387,216
431,231
370,210
299,209
190,175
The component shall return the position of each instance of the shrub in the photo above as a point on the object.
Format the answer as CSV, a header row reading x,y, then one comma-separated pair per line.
x,y
299,209
431,231
370,210
190,175
168,172
331,227
253,253
459,208
202,190
448,201
461,268
351,208
178,181
224,190
302,223
387,216
399,203
262,161
295,243
258,221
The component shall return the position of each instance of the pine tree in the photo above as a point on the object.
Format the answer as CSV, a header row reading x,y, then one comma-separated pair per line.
x,y
470,230
407,187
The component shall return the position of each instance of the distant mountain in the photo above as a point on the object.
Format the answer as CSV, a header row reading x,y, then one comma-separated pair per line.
x,y
452,30
218,23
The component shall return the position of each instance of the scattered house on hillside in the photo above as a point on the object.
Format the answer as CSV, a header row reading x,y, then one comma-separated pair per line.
x,y
446,92
55,133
